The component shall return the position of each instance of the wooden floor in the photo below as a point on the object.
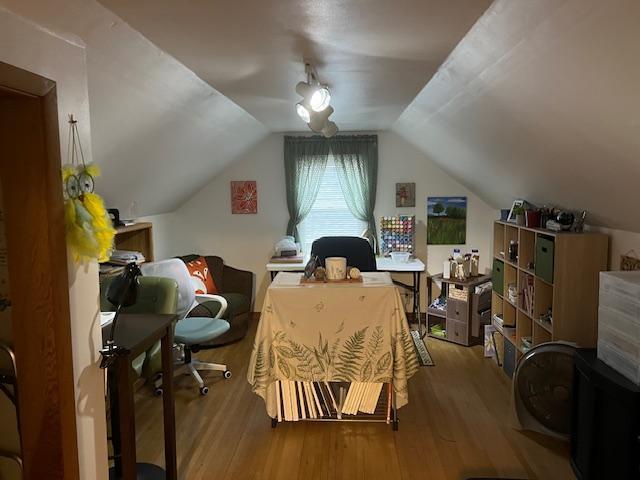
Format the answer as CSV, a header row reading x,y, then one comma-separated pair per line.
x,y
456,426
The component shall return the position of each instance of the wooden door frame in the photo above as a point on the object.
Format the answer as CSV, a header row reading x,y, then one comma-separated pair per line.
x,y
39,281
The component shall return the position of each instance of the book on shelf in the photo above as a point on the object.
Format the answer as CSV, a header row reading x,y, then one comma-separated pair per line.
x,y
315,400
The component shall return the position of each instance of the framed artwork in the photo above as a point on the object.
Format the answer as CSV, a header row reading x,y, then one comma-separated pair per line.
x,y
629,261
244,197
405,194
446,220
512,216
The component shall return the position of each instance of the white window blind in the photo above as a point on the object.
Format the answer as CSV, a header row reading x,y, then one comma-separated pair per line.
x,y
329,215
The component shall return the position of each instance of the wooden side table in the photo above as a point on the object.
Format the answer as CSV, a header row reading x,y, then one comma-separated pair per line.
x,y
137,333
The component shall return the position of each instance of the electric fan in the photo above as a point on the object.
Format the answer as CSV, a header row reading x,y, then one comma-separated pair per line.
x,y
542,389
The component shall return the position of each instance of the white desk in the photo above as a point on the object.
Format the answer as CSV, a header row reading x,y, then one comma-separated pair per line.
x,y
384,264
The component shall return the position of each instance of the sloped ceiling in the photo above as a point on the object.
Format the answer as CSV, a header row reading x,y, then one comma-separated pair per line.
x,y
376,55
541,100
158,131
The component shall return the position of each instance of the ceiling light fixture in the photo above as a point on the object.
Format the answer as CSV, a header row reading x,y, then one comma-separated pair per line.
x,y
303,112
314,108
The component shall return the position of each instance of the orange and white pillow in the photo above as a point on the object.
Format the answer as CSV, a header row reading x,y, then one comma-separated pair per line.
x,y
201,277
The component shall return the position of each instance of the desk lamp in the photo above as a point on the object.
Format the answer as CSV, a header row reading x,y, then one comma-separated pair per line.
x,y
122,292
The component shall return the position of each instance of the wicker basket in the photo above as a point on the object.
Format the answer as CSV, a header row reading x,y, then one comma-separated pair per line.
x,y
461,294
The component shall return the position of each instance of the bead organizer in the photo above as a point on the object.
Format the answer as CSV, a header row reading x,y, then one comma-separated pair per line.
x,y
397,234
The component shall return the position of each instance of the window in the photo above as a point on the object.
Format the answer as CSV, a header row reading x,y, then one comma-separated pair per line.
x,y
330,215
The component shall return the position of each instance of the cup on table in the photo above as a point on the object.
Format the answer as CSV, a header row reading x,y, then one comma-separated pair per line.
x,y
336,268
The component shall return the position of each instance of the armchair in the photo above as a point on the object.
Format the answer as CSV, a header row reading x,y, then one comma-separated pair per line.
x,y
237,288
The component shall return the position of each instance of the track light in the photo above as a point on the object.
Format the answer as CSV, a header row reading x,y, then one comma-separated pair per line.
x,y
314,108
319,119
303,112
330,129
317,96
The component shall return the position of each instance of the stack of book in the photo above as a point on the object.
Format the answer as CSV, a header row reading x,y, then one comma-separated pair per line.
x,y
287,259
124,257
527,292
323,400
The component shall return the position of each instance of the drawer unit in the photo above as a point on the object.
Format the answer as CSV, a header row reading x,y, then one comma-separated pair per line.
x,y
461,320
544,258
457,310
457,331
498,276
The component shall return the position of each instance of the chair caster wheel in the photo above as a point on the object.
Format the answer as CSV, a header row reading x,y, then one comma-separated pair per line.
x,y
158,392
204,390
226,374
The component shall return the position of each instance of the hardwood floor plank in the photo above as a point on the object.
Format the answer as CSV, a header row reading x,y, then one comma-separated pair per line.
x,y
457,425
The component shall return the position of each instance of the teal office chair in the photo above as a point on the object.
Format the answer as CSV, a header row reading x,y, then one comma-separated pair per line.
x,y
192,332
155,295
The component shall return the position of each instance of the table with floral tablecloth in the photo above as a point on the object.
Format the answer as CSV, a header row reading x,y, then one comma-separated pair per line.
x,y
347,332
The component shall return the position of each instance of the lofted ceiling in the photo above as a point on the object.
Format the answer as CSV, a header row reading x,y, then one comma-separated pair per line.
x,y
376,55
158,131
538,100
541,100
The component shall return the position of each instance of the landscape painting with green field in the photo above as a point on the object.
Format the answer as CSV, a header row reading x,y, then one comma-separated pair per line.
x,y
446,220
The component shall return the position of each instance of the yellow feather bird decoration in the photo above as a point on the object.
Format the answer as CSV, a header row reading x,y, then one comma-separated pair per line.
x,y
88,227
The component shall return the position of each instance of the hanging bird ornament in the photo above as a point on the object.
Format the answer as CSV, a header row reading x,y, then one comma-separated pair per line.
x,y
88,227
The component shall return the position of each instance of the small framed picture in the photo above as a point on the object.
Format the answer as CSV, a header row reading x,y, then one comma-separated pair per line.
x,y
244,197
512,216
405,194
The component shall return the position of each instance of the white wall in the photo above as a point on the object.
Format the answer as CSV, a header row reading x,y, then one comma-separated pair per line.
x,y
30,47
621,242
205,224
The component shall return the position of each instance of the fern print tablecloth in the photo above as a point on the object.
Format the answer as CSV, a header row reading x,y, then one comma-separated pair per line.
x,y
332,332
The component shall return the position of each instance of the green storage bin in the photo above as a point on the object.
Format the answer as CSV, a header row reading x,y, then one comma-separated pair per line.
x,y
544,258
498,276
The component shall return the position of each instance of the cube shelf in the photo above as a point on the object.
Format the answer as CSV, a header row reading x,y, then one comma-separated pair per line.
x,y
555,281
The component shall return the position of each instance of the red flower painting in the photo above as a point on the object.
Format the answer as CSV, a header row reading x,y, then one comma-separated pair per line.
x,y
244,196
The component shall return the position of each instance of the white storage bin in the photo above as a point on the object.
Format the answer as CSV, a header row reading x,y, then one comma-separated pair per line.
x,y
619,361
620,303
626,284
620,341
627,325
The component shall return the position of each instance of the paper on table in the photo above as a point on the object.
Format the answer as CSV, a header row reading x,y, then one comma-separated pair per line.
x,y
106,318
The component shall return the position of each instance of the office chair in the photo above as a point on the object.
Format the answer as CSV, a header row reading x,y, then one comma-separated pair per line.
x,y
356,250
191,332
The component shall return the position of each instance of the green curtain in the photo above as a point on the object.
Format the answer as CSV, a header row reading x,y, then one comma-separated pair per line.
x,y
357,159
305,159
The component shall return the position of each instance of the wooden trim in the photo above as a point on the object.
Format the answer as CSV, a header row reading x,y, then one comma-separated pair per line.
x,y
134,228
41,329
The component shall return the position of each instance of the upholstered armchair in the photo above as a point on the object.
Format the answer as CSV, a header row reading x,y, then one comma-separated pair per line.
x,y
237,287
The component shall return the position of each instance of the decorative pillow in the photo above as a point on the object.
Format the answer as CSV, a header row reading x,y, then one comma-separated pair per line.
x,y
201,277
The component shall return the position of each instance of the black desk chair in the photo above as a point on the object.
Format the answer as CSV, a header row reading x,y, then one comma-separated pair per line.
x,y
356,250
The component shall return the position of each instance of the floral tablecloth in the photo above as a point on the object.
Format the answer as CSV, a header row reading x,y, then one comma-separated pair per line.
x,y
354,332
